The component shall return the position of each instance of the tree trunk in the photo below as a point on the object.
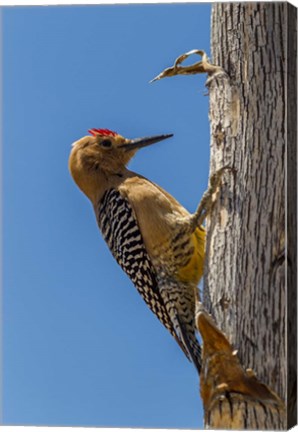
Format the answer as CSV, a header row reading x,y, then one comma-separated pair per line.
x,y
250,272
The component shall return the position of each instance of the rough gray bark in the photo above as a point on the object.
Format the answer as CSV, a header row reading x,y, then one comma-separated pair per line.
x,y
253,129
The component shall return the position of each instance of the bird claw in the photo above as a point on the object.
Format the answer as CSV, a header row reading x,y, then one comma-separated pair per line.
x,y
202,66
216,177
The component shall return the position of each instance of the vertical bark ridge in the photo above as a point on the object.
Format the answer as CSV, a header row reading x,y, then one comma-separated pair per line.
x,y
291,213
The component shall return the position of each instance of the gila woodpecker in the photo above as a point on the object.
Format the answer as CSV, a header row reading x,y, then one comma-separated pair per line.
x,y
158,244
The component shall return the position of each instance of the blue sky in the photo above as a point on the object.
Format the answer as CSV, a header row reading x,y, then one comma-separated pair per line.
x,y
80,347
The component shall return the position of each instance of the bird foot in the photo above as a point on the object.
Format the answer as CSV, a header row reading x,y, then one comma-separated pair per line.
x,y
200,67
207,199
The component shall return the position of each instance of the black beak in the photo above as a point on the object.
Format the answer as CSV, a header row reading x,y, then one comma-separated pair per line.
x,y
143,142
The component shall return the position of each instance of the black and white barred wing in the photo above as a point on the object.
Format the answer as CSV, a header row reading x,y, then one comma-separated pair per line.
x,y
120,230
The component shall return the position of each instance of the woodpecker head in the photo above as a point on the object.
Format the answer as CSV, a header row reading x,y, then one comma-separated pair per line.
x,y
104,152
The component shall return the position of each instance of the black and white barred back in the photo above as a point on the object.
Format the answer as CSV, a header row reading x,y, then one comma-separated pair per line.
x,y
121,232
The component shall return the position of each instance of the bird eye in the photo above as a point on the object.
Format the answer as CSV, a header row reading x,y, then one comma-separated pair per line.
x,y
106,143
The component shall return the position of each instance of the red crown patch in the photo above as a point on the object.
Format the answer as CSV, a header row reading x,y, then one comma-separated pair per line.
x,y
102,132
